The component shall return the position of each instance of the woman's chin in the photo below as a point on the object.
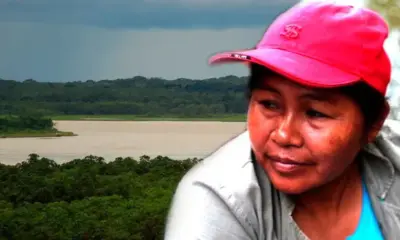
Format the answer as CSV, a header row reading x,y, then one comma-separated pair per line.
x,y
290,190
292,186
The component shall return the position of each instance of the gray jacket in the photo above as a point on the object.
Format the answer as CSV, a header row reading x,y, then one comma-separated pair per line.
x,y
228,196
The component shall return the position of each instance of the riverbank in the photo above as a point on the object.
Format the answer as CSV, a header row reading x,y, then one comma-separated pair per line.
x,y
36,134
216,118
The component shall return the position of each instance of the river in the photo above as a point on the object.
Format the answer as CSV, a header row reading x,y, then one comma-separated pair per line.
x,y
111,139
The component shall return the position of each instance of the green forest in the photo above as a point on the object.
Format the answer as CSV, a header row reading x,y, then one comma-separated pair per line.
x,y
151,97
29,125
25,123
88,198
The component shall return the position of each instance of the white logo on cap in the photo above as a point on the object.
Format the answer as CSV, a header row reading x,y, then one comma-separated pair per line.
x,y
241,56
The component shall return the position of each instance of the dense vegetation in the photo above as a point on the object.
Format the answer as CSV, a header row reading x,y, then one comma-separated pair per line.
x,y
29,125
138,96
25,123
88,198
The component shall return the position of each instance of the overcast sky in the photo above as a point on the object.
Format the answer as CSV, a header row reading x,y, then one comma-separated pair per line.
x,y
73,40
70,40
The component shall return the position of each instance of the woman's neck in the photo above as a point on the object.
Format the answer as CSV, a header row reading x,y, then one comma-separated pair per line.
x,y
324,208
333,194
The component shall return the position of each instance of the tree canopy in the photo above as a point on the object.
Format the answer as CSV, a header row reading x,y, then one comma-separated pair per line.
x,y
137,95
88,198
390,9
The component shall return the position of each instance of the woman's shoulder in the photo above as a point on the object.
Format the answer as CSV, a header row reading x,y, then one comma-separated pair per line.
x,y
229,167
228,172
220,192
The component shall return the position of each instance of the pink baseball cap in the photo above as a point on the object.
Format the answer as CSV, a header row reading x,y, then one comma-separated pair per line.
x,y
322,44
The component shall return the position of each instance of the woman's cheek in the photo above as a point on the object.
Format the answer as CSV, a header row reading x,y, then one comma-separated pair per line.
x,y
333,149
256,137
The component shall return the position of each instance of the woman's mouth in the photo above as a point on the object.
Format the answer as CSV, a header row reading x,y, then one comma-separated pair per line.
x,y
286,165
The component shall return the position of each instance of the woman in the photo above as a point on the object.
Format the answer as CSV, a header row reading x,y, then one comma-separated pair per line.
x,y
313,163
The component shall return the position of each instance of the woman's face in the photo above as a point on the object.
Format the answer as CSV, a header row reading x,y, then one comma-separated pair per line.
x,y
303,137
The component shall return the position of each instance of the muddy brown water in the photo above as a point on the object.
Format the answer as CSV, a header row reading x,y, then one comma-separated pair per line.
x,y
111,139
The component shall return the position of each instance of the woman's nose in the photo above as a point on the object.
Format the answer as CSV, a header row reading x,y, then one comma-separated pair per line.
x,y
287,133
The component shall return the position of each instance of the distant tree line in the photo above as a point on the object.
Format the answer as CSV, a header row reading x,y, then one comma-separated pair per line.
x,y
11,123
137,95
88,198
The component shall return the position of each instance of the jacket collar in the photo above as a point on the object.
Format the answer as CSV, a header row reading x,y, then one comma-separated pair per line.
x,y
378,165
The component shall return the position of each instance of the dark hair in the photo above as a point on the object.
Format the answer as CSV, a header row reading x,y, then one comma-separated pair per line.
x,y
369,100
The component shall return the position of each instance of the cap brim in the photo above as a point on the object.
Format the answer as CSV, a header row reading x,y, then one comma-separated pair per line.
x,y
302,69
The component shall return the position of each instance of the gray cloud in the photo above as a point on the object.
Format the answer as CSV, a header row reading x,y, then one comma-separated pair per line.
x,y
50,52
59,40
146,13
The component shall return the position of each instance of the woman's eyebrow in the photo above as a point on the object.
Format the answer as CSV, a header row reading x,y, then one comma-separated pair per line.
x,y
321,96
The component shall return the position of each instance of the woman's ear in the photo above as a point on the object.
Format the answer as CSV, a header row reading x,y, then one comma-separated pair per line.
x,y
376,127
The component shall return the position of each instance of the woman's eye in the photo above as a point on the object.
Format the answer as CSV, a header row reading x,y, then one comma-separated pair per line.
x,y
316,114
269,104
